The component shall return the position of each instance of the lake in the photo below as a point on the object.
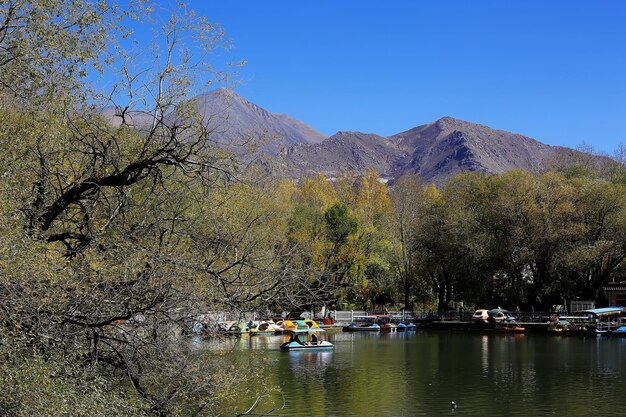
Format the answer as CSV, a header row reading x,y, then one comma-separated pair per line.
x,y
421,373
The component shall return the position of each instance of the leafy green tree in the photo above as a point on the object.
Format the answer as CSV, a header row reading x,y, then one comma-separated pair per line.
x,y
307,240
367,198
339,225
599,249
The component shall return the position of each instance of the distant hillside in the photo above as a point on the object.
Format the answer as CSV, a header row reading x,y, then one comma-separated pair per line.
x,y
343,152
234,119
434,151
441,148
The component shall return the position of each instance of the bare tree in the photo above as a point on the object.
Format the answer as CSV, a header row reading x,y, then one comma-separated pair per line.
x,y
94,202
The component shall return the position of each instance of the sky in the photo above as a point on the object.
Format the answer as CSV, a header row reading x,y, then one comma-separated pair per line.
x,y
551,70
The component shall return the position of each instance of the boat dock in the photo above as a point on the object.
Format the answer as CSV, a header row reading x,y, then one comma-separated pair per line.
x,y
453,325
471,326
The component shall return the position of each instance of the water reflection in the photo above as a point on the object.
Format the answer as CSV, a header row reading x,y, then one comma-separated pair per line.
x,y
307,365
412,374
485,354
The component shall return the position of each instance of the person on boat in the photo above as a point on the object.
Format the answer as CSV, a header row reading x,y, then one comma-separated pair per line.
x,y
314,340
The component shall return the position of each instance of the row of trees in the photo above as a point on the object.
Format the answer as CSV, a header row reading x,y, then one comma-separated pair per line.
x,y
118,229
516,239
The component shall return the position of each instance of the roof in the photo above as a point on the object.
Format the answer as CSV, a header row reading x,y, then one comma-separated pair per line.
x,y
606,311
311,330
615,286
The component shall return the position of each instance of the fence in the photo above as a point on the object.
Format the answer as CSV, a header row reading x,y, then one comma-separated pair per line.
x,y
361,315
456,315
348,316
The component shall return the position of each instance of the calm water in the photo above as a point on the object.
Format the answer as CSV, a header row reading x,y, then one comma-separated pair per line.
x,y
414,374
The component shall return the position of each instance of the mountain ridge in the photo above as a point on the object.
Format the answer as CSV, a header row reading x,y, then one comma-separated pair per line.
x,y
433,150
450,145
234,117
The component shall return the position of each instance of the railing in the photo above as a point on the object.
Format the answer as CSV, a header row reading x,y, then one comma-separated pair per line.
x,y
347,316
452,315
604,326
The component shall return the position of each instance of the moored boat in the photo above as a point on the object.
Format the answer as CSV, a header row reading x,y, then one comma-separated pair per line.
x,y
312,324
297,324
366,327
619,332
559,326
480,316
286,325
589,322
388,327
405,327
509,327
264,328
499,315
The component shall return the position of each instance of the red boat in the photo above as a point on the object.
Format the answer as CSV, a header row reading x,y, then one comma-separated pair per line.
x,y
509,328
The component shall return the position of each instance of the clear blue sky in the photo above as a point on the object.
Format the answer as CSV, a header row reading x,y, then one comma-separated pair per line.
x,y
552,70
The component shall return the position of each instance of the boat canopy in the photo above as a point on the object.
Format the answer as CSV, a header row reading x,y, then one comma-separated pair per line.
x,y
307,330
574,318
311,323
606,311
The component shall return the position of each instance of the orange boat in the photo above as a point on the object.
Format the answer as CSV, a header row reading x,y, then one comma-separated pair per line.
x,y
510,327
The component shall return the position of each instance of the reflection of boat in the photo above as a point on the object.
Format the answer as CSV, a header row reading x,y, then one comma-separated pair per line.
x,y
311,342
367,327
509,327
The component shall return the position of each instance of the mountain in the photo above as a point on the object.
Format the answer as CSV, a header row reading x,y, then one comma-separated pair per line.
x,y
449,145
234,119
343,152
133,118
434,150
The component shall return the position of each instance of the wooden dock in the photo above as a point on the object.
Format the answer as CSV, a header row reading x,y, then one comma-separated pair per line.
x,y
468,326
453,325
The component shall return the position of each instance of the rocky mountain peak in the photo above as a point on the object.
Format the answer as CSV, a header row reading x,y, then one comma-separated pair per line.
x,y
434,150
236,118
447,121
